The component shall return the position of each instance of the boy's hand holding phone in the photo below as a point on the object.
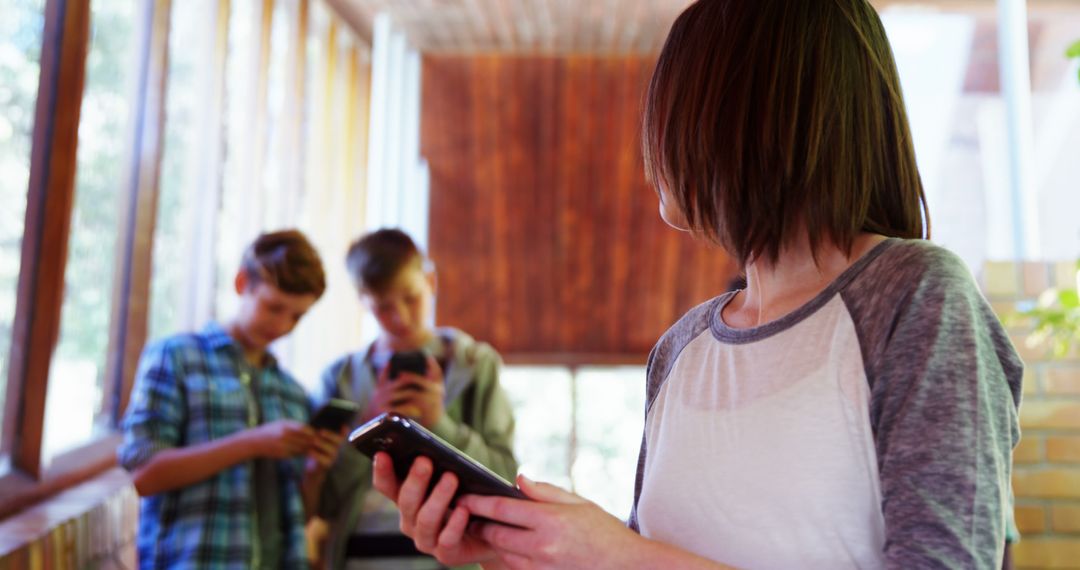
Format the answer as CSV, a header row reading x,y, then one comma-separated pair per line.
x,y
330,425
325,446
281,439
410,394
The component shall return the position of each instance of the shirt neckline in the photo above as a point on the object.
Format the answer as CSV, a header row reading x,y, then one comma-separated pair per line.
x,y
724,333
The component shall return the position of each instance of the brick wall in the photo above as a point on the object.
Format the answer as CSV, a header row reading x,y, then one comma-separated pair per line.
x,y
89,526
1046,473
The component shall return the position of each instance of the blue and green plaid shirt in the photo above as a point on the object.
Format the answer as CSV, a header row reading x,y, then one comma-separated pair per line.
x,y
189,390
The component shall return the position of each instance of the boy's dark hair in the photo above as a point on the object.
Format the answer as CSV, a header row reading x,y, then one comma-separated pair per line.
x,y
377,258
286,260
763,115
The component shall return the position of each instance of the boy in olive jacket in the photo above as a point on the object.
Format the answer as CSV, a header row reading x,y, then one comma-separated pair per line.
x,y
459,399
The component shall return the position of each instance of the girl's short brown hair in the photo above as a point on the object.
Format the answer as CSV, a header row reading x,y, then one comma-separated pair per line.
x,y
286,260
765,116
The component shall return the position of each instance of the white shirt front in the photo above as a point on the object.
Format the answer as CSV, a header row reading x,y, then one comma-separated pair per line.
x,y
761,454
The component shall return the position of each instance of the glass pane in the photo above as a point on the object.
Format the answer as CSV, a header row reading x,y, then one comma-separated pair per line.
x,y
949,68
610,419
191,43
541,398
21,31
235,227
279,211
75,412
1055,105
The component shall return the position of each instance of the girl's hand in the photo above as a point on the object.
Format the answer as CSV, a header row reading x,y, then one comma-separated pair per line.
x,y
436,529
558,529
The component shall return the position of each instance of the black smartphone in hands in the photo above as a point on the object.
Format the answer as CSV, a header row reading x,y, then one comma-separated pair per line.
x,y
414,361
404,439
334,415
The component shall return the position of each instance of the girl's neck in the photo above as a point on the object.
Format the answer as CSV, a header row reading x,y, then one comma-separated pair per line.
x,y
774,289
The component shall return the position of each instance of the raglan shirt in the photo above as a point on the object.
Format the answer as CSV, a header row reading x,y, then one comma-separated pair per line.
x,y
871,428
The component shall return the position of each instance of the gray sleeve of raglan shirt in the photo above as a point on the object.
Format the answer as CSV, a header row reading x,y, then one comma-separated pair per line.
x,y
945,390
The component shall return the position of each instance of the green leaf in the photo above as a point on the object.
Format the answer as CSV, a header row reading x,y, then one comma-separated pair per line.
x,y
1073,50
1069,299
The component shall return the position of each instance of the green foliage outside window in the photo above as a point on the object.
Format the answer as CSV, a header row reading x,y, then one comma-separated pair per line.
x,y
1074,52
100,183
1056,315
1056,319
76,408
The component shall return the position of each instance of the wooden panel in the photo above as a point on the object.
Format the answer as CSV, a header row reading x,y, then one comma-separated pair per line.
x,y
545,234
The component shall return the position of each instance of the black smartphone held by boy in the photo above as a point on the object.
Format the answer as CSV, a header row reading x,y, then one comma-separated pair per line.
x,y
414,361
334,415
405,439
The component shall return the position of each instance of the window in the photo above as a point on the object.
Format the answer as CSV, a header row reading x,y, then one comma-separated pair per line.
x,y
232,144
610,418
75,410
543,413
580,429
279,162
21,31
950,74
191,46
243,99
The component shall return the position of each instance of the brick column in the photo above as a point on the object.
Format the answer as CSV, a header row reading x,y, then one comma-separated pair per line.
x,y
1046,464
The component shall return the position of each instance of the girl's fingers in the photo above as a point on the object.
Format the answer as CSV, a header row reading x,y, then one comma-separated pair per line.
x,y
515,561
547,493
507,539
430,517
384,479
455,528
502,509
412,492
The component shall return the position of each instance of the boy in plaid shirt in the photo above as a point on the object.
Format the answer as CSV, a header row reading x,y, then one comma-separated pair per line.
x,y
216,436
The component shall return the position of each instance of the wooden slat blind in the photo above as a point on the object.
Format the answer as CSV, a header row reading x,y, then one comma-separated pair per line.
x,y
545,234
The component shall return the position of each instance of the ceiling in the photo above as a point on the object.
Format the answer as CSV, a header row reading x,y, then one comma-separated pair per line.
x,y
558,26
529,26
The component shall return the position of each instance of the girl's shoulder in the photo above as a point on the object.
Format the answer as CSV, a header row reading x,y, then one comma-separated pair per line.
x,y
914,263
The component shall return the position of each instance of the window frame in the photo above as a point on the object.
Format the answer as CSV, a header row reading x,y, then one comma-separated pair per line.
x,y
50,206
